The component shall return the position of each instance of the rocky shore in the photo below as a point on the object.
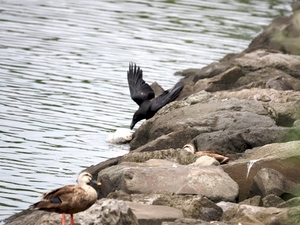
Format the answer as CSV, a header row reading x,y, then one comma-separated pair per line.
x,y
245,107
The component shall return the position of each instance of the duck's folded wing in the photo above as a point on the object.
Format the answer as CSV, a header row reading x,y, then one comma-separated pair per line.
x,y
66,190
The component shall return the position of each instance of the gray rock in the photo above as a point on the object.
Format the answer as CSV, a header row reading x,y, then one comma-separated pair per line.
x,y
272,200
281,106
282,34
188,221
104,212
283,157
254,201
229,122
269,181
254,69
206,161
154,214
279,83
192,206
137,178
262,59
293,202
157,88
222,81
173,155
109,212
202,208
254,215
242,120
28,217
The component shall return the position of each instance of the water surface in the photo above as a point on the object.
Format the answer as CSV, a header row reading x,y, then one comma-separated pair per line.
x,y
63,70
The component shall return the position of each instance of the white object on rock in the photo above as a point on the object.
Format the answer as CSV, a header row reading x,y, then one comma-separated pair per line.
x,y
190,148
120,136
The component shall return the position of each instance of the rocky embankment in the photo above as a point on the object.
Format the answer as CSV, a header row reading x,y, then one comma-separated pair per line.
x,y
245,107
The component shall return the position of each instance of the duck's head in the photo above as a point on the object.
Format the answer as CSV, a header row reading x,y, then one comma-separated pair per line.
x,y
86,178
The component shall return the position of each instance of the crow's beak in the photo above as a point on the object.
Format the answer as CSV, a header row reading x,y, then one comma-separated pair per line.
x,y
132,125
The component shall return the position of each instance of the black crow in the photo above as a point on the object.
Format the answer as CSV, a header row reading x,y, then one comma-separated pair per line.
x,y
144,96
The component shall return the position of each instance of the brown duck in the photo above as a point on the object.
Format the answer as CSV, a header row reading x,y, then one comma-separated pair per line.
x,y
69,199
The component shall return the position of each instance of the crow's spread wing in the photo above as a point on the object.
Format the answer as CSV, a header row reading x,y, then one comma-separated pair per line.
x,y
140,91
166,97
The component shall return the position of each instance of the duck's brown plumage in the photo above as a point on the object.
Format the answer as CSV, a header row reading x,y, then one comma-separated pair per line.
x,y
69,199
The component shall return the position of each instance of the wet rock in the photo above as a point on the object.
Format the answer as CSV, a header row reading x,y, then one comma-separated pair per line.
x,y
134,178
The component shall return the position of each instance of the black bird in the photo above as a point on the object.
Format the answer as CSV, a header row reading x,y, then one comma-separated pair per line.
x,y
144,96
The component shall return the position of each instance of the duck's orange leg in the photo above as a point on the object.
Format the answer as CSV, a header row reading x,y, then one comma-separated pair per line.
x,y
63,219
72,219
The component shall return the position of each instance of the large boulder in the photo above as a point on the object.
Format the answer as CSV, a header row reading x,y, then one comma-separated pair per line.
x,y
255,69
282,157
192,206
227,122
282,34
137,178
259,215
269,181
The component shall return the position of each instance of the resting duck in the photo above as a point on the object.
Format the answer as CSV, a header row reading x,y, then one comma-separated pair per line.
x,y
69,199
